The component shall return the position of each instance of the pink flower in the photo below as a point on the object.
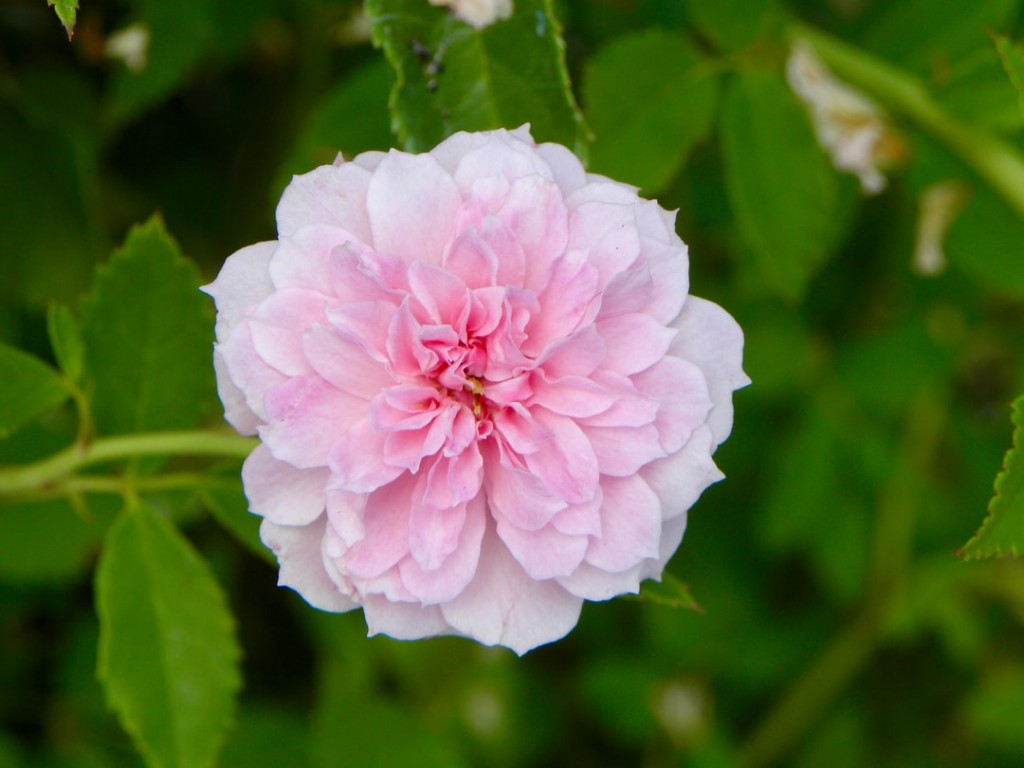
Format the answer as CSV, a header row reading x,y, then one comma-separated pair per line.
x,y
482,391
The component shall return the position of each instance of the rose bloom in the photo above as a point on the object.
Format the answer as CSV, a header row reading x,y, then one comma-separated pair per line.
x,y
482,392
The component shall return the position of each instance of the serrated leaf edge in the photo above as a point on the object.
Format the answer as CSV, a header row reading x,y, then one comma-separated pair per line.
x,y
114,698
1017,419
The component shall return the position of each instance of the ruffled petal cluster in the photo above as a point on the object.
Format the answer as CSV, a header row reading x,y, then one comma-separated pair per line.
x,y
482,390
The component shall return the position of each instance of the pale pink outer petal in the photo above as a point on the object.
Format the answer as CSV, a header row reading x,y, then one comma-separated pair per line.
x,y
237,412
303,260
412,202
546,553
299,552
307,417
242,283
403,621
330,194
282,493
504,606
565,167
591,583
681,478
248,371
630,525
709,337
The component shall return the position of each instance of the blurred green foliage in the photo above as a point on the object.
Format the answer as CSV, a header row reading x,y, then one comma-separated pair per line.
x,y
838,626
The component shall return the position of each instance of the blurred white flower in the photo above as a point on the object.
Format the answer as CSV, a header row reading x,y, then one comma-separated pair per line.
x,y
938,207
851,127
130,45
478,13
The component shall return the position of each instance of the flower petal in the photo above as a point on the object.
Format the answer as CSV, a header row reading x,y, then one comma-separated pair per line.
x,y
411,202
709,337
504,606
282,493
298,550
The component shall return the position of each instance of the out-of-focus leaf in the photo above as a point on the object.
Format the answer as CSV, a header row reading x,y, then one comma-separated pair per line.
x,y
168,657
450,77
67,12
838,743
66,340
620,692
147,332
927,35
378,722
993,710
331,128
49,541
650,98
50,239
809,508
267,738
1013,62
782,189
227,503
978,91
173,37
670,592
28,388
1002,533
731,24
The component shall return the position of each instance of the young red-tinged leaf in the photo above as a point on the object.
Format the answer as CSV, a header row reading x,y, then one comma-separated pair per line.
x,y
1013,62
28,388
1002,533
451,77
67,12
168,656
147,332
650,98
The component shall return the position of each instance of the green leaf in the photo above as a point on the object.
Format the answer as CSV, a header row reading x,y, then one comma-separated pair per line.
x,y
993,709
147,332
670,592
1002,533
979,92
28,388
731,24
1013,62
66,340
227,503
783,191
650,98
168,656
67,12
953,29
450,77
51,229
48,541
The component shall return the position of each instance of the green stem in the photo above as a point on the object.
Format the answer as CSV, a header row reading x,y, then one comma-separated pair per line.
x,y
851,650
817,686
65,463
995,160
